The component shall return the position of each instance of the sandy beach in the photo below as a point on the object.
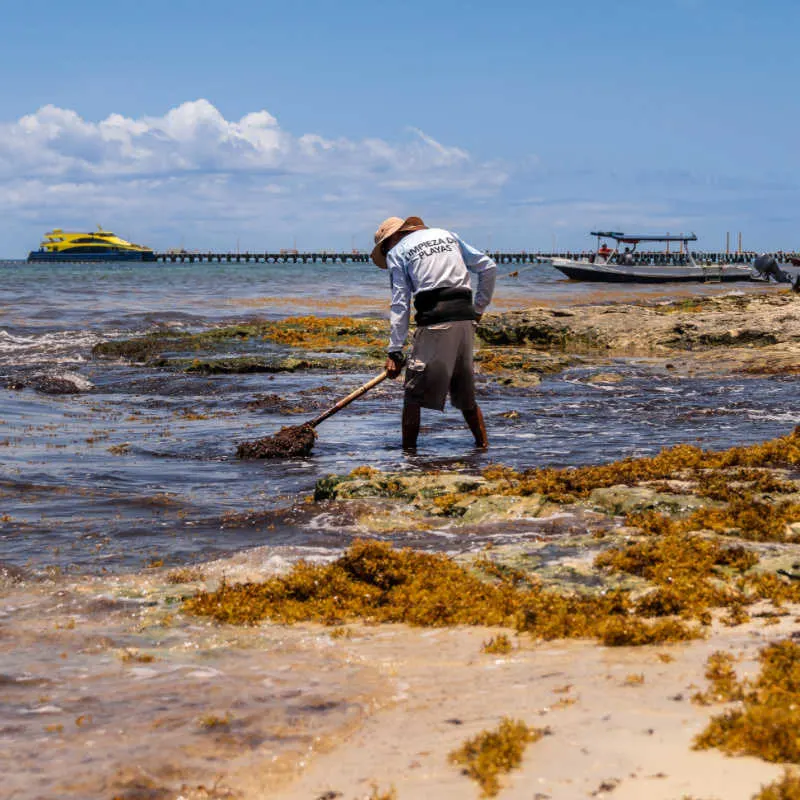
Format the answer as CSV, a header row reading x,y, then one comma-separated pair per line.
x,y
621,720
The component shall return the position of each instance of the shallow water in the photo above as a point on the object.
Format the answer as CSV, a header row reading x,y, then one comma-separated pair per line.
x,y
104,695
142,467
100,489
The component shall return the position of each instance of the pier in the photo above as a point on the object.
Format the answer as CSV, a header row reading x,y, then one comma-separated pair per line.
x,y
285,257
500,257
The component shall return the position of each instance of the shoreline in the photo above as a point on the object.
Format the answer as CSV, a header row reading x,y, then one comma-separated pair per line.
x,y
292,711
620,719
111,673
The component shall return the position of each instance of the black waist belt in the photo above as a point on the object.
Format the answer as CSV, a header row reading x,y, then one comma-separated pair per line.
x,y
443,305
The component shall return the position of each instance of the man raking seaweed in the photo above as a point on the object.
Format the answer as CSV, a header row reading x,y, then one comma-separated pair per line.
x,y
430,265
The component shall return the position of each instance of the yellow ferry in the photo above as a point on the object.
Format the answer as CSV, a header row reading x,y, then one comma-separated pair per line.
x,y
59,245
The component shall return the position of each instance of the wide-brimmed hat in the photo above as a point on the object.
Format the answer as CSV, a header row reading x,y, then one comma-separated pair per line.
x,y
388,228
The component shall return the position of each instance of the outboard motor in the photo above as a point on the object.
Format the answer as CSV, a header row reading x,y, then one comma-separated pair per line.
x,y
767,266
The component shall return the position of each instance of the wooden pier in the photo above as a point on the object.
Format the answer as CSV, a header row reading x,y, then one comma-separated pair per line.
x,y
192,257
521,257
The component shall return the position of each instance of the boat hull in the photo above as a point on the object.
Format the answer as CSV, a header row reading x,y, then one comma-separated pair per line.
x,y
44,256
614,273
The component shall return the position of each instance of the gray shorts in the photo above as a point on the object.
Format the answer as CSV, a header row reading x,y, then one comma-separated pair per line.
x,y
440,363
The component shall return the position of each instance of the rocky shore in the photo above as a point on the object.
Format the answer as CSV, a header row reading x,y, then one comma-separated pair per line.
x,y
730,333
738,333
623,630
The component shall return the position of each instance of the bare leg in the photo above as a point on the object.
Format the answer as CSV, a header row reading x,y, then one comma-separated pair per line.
x,y
411,418
474,418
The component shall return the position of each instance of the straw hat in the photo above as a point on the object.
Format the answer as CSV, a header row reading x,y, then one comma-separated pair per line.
x,y
388,228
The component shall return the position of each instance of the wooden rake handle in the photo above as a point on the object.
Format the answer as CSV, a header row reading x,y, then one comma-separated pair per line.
x,y
345,401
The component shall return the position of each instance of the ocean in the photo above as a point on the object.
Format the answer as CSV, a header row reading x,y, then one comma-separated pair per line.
x,y
144,461
137,473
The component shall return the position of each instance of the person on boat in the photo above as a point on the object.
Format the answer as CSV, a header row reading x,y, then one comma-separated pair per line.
x,y
604,253
432,266
627,258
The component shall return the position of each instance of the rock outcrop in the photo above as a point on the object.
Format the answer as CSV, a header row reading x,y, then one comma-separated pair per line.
x,y
754,333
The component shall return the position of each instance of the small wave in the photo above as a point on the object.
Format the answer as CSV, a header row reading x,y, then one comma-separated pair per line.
x,y
259,562
792,417
60,347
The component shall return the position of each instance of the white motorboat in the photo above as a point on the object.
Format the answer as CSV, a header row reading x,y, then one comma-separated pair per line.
x,y
608,264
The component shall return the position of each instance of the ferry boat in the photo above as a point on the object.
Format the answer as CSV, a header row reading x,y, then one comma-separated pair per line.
x,y
59,245
608,264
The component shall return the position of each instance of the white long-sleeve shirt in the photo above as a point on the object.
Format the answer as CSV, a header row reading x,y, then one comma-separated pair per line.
x,y
433,258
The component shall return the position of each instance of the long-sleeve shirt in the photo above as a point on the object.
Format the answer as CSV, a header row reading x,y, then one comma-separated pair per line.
x,y
433,258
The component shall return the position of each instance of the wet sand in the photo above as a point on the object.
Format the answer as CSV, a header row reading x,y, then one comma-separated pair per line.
x,y
610,734
107,693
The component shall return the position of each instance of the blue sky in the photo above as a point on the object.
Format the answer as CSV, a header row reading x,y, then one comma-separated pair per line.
x,y
520,125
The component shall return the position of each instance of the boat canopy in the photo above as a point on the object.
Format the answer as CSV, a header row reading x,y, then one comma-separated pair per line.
x,y
631,238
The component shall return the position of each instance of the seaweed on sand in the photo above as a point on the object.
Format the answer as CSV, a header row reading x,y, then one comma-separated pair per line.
x,y
498,645
688,571
290,442
767,721
492,753
377,584
695,573
787,788
725,687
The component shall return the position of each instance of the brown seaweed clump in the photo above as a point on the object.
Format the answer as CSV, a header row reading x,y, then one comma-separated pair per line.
x,y
787,788
493,753
725,687
570,485
768,718
689,571
499,645
693,574
375,583
327,333
371,582
293,441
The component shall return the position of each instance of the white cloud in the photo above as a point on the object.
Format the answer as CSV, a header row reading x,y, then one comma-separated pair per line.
x,y
57,143
174,173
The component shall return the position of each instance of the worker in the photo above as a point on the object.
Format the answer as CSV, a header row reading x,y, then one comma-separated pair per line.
x,y
432,266
604,253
